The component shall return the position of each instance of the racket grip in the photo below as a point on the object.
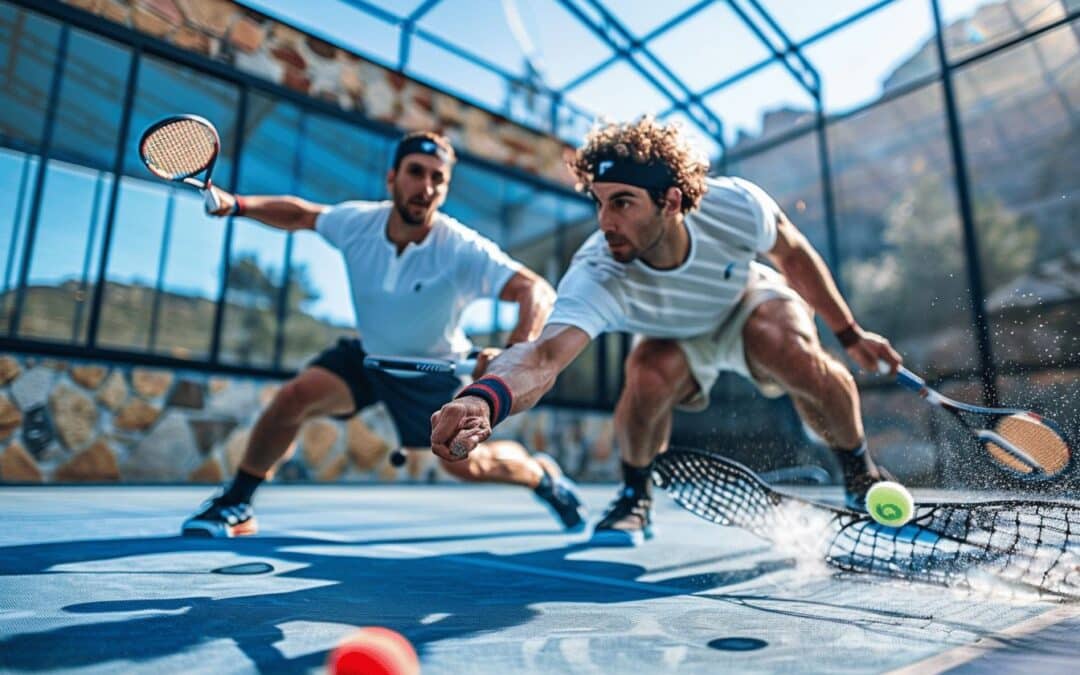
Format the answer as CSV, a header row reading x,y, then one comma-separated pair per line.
x,y
210,201
465,367
904,377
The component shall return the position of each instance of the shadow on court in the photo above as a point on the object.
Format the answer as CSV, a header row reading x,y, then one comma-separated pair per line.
x,y
427,598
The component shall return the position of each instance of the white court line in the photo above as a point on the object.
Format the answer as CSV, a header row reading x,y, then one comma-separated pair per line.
x,y
987,645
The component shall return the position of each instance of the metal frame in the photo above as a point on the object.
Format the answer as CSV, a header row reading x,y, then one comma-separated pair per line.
x,y
626,47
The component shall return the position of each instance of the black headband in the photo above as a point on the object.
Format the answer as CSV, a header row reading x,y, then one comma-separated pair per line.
x,y
651,176
421,145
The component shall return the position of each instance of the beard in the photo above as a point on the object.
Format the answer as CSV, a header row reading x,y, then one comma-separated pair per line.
x,y
405,208
621,249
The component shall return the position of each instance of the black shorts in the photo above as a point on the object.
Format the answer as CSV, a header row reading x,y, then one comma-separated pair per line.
x,y
410,400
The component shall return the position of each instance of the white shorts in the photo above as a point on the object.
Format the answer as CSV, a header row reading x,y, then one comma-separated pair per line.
x,y
723,349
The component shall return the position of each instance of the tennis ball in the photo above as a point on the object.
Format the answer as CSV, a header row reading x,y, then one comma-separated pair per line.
x,y
890,504
374,651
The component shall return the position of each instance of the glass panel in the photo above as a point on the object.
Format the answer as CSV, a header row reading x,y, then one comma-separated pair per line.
x,y
791,174
896,211
802,19
1019,112
267,166
17,174
66,251
895,46
166,89
761,106
694,52
619,92
449,72
27,59
975,25
91,101
641,18
551,28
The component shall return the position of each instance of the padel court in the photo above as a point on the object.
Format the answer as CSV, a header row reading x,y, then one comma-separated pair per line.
x,y
96,579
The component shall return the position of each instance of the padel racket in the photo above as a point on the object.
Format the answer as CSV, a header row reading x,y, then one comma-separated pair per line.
x,y
415,367
180,148
1024,443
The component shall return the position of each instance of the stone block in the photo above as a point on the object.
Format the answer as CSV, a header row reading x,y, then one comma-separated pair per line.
x,y
114,393
138,415
208,472
96,464
209,432
186,394
37,431
9,369
74,416
365,448
168,453
32,388
246,35
166,9
235,448
334,469
149,23
191,40
211,16
151,383
317,438
89,377
17,466
10,417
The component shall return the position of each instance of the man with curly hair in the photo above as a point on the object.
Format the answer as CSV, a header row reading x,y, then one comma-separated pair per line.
x,y
674,263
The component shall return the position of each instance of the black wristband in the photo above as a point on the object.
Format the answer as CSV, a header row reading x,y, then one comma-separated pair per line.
x,y
492,389
849,335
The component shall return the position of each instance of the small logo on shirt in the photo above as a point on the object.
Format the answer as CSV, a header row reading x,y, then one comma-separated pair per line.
x,y
603,167
728,270
418,286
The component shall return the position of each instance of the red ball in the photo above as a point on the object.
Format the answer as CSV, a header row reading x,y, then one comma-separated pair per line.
x,y
374,651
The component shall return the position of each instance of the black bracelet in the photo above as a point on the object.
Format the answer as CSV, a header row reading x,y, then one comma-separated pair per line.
x,y
849,335
494,391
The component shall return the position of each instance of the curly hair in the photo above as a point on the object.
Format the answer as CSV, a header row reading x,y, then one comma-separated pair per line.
x,y
645,140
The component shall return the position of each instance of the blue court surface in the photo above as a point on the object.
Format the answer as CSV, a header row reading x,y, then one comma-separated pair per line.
x,y
95,579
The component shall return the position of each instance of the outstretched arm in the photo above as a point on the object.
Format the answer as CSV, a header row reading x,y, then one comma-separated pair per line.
x,y
283,213
527,370
807,273
534,297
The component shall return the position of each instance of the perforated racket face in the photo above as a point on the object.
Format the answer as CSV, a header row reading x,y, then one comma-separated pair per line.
x,y
179,147
1035,438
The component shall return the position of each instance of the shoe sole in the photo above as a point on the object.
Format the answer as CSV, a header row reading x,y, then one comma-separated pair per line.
x,y
621,538
207,529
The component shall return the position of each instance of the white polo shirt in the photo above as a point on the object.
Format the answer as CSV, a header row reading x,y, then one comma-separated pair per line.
x,y
735,221
411,304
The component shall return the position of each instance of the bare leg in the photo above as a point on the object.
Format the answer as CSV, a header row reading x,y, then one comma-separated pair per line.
x,y
657,378
782,345
499,462
314,392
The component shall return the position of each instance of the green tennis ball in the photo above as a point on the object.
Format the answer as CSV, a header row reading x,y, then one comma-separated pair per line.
x,y
890,504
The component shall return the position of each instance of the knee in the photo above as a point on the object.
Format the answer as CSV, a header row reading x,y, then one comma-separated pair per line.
x,y
294,400
654,373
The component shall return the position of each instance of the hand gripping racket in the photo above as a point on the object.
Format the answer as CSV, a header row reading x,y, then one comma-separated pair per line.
x,y
1022,442
181,147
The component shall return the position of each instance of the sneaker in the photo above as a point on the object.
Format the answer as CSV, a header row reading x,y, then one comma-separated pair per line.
x,y
627,522
221,520
560,494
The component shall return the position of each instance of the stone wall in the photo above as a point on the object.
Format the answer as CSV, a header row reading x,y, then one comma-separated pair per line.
x,y
276,52
68,422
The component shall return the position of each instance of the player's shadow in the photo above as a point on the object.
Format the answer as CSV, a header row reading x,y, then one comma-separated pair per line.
x,y
427,597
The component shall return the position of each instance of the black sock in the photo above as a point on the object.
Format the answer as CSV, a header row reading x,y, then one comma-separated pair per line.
x,y
638,478
242,488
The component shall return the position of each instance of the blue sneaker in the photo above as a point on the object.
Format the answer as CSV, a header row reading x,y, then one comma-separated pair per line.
x,y
559,494
220,520
627,522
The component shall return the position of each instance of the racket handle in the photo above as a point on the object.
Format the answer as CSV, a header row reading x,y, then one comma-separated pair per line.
x,y
904,377
465,367
211,202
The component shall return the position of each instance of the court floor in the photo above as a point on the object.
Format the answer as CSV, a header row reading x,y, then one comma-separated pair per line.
x,y
94,579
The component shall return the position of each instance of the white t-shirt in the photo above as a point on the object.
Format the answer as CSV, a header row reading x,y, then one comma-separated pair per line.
x,y
735,220
411,304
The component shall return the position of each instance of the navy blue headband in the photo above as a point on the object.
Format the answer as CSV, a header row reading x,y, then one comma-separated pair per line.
x,y
651,176
421,145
